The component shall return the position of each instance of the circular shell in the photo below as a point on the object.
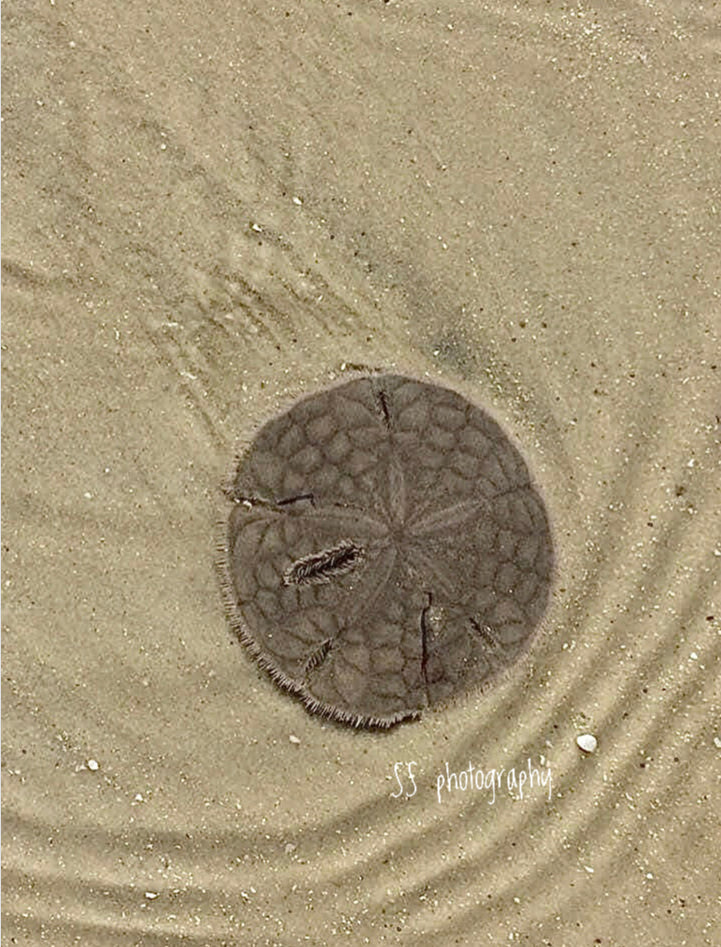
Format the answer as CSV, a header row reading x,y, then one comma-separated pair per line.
x,y
386,549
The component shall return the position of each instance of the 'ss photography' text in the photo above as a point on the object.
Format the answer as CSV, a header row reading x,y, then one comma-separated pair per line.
x,y
517,782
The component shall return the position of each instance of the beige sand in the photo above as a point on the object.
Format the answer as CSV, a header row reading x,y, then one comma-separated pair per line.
x,y
207,216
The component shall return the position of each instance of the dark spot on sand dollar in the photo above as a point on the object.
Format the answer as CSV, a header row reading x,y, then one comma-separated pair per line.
x,y
386,549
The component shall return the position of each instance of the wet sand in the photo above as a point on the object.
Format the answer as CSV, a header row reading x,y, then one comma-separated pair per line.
x,y
207,217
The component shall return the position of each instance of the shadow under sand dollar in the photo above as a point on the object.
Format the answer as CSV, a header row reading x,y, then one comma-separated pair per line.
x,y
386,549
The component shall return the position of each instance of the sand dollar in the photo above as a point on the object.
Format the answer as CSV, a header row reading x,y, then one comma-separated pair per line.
x,y
386,549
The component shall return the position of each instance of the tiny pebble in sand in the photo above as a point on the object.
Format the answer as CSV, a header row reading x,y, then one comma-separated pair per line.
x,y
587,742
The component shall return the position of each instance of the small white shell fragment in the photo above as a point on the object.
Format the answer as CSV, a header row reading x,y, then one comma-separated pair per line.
x,y
151,895
293,738
587,742
717,742
93,765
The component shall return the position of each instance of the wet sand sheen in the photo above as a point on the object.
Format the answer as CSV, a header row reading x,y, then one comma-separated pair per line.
x,y
194,241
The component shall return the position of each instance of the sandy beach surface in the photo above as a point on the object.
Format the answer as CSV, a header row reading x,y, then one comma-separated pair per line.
x,y
209,213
